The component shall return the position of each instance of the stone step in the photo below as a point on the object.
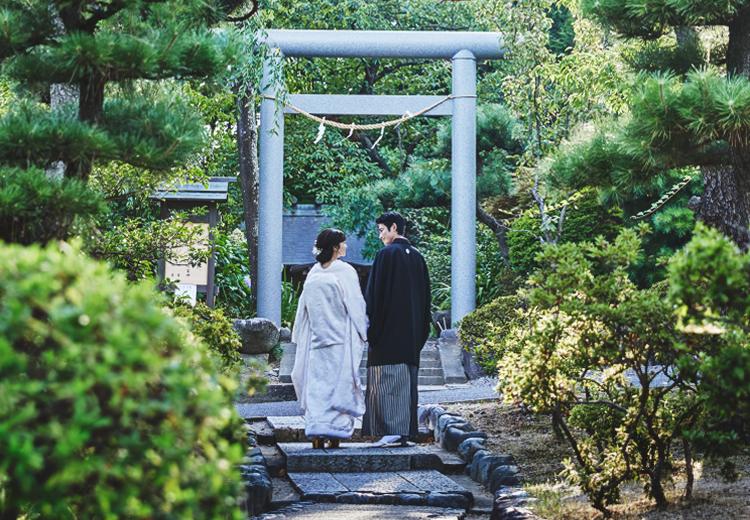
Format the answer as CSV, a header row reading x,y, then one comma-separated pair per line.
x,y
284,494
311,511
430,359
414,488
423,363
422,381
291,428
354,456
423,372
431,381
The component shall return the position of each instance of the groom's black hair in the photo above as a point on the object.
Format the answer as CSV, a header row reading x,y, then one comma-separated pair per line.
x,y
391,217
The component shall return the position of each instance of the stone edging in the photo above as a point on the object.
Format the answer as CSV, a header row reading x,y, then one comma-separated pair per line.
x,y
254,471
497,473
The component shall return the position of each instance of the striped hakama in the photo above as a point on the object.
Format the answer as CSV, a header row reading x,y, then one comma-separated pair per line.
x,y
391,400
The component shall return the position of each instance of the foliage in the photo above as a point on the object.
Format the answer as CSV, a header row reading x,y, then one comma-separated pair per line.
x,y
6,94
635,19
585,217
233,275
215,330
290,294
689,111
109,407
486,330
426,182
708,285
321,172
37,208
551,93
499,138
88,46
136,244
591,350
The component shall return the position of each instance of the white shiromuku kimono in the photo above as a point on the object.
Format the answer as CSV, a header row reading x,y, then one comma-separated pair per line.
x,y
330,331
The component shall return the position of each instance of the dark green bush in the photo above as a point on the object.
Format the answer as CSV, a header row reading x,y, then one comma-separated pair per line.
x,y
485,332
35,208
109,408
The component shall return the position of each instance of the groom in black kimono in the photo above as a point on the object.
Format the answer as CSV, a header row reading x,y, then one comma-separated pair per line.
x,y
398,306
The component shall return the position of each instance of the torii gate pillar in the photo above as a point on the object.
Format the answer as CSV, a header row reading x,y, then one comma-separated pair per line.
x,y
463,49
463,186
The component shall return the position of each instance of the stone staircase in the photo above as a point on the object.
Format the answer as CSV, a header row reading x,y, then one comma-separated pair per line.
x,y
430,367
418,481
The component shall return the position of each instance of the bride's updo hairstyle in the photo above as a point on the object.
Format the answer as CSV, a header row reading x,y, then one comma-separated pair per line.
x,y
327,240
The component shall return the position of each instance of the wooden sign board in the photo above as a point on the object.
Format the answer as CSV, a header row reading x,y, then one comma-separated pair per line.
x,y
180,270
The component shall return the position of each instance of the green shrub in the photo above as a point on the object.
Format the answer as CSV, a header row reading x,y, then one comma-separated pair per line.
x,y
109,408
589,332
35,208
709,286
486,332
233,275
215,329
290,294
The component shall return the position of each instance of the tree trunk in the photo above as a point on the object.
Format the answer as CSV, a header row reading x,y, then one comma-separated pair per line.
x,y
498,228
724,203
247,146
738,49
90,109
688,469
60,94
657,490
364,140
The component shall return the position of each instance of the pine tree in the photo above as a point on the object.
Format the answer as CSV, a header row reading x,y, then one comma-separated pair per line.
x,y
687,110
118,55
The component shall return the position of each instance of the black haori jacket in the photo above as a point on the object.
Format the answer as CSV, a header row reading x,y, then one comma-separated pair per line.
x,y
398,305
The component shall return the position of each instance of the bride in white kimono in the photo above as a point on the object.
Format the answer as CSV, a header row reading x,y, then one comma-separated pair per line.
x,y
330,331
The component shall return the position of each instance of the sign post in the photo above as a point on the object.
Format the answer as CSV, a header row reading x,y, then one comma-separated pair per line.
x,y
193,279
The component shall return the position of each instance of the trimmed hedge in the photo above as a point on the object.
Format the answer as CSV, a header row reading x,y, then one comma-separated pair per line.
x,y
486,331
109,407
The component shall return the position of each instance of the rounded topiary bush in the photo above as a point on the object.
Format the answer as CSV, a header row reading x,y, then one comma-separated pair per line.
x,y
486,331
109,406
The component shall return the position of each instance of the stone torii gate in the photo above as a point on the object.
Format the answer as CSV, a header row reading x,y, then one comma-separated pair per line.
x,y
463,49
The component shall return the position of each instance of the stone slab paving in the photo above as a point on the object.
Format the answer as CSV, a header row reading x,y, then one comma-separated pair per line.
x,y
387,487
310,511
300,456
380,483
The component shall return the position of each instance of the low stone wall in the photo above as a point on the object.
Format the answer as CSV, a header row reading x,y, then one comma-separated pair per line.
x,y
496,472
258,486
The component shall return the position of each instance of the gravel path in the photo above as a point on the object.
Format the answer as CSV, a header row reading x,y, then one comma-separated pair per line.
x,y
478,389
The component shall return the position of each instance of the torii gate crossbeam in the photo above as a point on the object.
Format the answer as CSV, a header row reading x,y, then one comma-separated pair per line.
x,y
463,49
